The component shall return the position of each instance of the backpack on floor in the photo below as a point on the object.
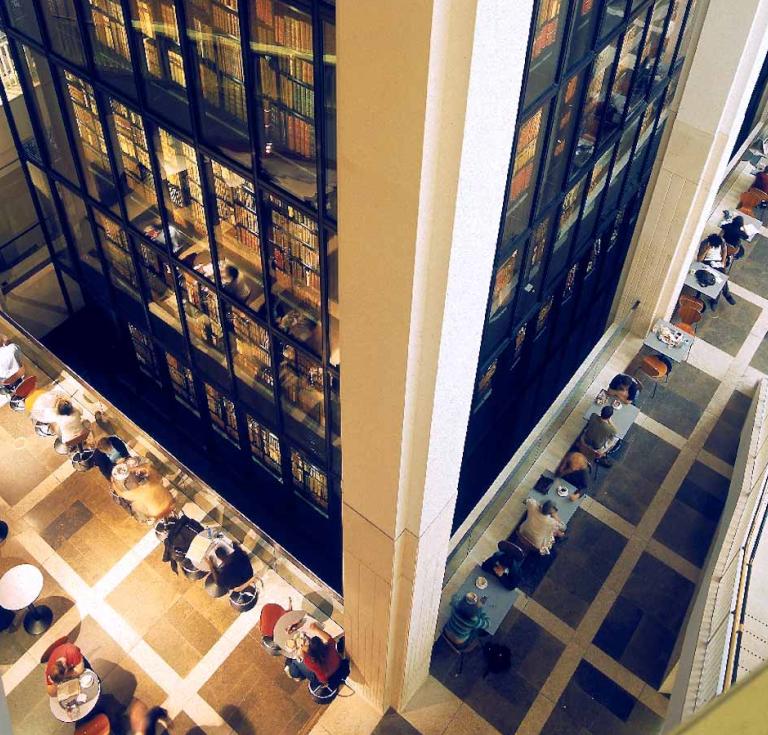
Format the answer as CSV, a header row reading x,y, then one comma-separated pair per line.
x,y
498,658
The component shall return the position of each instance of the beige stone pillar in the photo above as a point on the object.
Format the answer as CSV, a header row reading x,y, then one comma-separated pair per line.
x,y
428,96
705,121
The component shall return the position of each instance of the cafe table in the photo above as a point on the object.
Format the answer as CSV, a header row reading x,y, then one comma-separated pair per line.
x,y
82,709
20,586
751,224
496,599
712,291
565,506
287,628
623,416
679,353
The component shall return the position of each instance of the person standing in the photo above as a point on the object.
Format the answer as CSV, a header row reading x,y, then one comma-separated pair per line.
x,y
542,525
11,368
714,252
734,233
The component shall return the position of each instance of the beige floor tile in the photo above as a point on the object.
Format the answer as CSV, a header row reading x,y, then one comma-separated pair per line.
x,y
431,708
468,722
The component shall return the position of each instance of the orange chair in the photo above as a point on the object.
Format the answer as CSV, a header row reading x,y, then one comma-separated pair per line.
x,y
685,327
99,725
691,302
751,199
656,369
689,315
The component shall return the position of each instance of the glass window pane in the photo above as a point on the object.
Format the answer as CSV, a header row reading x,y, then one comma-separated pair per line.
x,y
622,159
61,21
265,446
214,31
310,481
21,16
114,245
329,90
157,277
561,138
651,49
622,83
332,264
161,63
38,77
335,421
131,150
80,227
505,281
182,382
301,396
669,46
144,351
201,307
250,346
545,50
584,22
222,414
530,142
594,105
182,194
569,215
51,222
613,15
89,136
236,230
597,182
293,244
109,43
282,39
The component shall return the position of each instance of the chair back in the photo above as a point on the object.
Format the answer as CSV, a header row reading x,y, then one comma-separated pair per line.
x,y
590,453
689,315
683,327
653,367
269,608
48,651
691,302
99,725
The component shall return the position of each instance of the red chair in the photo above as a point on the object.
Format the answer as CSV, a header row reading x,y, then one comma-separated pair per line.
x,y
685,328
656,369
99,725
270,614
21,392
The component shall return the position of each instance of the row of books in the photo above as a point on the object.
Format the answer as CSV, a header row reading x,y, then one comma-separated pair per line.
x,y
288,133
297,226
292,30
290,93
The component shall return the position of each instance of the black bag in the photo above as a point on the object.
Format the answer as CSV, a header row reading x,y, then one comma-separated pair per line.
x,y
498,658
705,278
179,538
542,485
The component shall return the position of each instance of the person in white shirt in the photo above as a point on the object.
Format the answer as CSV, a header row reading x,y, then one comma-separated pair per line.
x,y
542,525
11,368
69,421
714,252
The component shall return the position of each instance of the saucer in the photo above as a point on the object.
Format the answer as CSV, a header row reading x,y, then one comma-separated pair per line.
x,y
481,583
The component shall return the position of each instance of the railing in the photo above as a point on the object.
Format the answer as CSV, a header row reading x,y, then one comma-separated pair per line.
x,y
523,460
202,498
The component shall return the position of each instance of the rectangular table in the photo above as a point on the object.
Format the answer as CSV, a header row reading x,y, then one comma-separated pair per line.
x,y
499,599
678,354
622,418
751,224
565,507
712,291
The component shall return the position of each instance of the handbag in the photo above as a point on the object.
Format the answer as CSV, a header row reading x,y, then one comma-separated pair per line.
x,y
705,278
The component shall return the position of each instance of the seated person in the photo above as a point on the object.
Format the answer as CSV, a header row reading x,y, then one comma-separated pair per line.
x,y
110,451
761,180
734,233
42,405
624,387
145,721
714,252
230,569
504,568
601,434
65,662
233,284
11,369
320,659
69,421
144,490
574,468
542,525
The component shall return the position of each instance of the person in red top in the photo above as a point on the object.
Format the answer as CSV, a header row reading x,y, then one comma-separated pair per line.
x,y
65,662
321,659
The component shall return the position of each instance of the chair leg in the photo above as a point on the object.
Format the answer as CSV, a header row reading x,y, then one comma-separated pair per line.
x,y
655,386
461,664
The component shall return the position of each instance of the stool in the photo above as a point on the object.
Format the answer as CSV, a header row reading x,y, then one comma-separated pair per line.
x,y
326,693
245,599
213,589
191,572
3,532
21,391
42,429
99,725
272,648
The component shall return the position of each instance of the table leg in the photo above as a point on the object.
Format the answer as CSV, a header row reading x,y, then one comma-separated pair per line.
x,y
6,618
213,589
38,619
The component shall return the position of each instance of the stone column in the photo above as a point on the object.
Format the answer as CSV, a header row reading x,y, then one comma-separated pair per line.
x,y
427,99
727,60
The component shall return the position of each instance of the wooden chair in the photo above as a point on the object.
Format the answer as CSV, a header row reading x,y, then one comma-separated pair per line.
x,y
655,368
751,199
685,328
99,725
689,315
691,302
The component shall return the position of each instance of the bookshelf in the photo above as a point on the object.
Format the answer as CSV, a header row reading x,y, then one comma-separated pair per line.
x,y
250,345
265,446
310,481
214,28
237,226
61,21
144,352
114,244
93,146
182,382
201,306
111,51
294,250
133,149
222,412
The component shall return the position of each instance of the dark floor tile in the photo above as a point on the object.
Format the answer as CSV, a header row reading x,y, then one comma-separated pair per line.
x,y
732,326
535,567
750,271
626,492
723,440
393,724
603,690
650,650
445,667
760,358
560,722
502,699
643,721
534,651
648,454
709,504
586,711
659,590
703,478
617,629
66,524
568,606
686,531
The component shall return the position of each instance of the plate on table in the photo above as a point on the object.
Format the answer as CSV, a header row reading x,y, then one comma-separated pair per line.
x,y
86,679
562,491
616,404
481,583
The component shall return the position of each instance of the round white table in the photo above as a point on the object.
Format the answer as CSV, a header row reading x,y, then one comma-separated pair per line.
x,y
20,586
73,714
287,626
